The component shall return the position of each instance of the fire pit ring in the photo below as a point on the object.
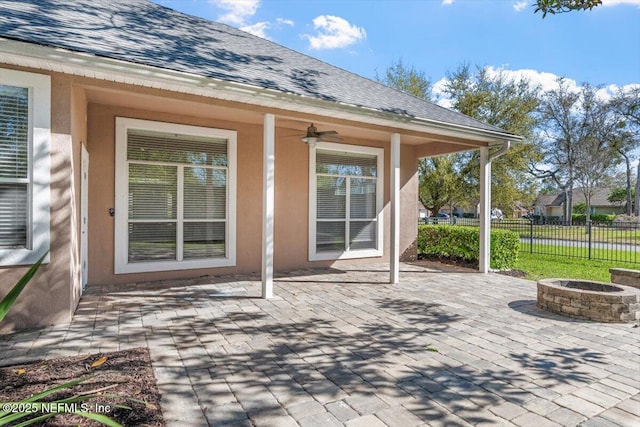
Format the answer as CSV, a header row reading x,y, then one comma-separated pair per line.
x,y
585,299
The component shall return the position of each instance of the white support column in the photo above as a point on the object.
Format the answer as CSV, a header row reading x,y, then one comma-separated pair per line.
x,y
268,204
485,209
394,255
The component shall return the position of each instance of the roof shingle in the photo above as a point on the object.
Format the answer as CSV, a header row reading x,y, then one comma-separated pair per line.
x,y
141,32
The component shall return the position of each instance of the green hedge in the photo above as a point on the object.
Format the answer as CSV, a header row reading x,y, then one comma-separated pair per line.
x,y
464,242
594,217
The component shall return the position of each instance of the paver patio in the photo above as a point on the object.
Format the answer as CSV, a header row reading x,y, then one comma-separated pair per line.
x,y
342,347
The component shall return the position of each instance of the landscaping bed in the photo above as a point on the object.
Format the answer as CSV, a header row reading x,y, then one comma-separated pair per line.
x,y
127,374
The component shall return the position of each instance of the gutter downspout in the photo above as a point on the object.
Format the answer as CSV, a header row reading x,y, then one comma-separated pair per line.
x,y
503,150
485,203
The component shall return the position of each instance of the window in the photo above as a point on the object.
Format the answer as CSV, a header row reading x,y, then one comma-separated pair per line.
x,y
175,196
345,202
25,116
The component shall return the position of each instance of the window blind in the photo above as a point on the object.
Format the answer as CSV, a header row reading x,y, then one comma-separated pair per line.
x,y
13,215
178,188
346,201
175,148
14,166
345,163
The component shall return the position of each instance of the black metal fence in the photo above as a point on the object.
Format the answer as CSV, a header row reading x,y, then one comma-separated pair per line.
x,y
614,241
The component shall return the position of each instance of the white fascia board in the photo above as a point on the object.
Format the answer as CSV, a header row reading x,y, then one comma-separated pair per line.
x,y
86,65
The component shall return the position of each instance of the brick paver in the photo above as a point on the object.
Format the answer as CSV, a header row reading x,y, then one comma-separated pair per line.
x,y
343,347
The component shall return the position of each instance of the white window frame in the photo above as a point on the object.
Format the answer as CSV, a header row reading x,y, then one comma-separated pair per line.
x,y
314,255
121,261
39,172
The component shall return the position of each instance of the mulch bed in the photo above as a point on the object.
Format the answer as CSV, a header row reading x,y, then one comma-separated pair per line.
x,y
472,265
127,374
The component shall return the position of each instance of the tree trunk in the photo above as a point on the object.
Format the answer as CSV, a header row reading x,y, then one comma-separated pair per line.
x,y
638,191
627,160
570,204
587,218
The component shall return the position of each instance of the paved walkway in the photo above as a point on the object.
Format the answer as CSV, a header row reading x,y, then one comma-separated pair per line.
x,y
342,347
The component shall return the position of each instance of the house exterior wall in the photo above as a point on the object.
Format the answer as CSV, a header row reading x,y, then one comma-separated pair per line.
x,y
554,211
408,203
51,296
291,197
101,147
608,210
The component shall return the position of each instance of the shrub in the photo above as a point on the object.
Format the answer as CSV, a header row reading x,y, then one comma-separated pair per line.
x,y
627,222
464,242
627,219
594,218
580,208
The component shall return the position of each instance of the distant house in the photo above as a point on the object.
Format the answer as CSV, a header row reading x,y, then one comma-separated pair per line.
x,y
422,211
519,209
548,205
553,205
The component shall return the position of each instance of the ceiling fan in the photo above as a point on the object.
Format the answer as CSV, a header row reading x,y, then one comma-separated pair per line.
x,y
313,136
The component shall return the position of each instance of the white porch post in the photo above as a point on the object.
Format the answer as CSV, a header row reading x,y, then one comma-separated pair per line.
x,y
394,255
268,202
485,209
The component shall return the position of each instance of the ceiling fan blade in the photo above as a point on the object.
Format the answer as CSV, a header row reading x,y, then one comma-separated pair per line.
x,y
330,138
328,132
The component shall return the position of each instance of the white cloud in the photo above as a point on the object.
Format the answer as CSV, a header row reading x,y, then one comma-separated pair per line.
x,y
238,11
520,5
239,14
257,29
447,2
545,81
334,32
619,2
283,21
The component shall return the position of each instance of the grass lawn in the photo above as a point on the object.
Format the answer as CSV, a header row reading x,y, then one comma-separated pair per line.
x,y
612,255
539,266
575,232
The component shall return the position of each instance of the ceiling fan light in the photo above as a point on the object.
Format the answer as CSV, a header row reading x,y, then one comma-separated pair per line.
x,y
311,140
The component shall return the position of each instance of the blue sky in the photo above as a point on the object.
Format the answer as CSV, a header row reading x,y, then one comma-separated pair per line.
x,y
601,47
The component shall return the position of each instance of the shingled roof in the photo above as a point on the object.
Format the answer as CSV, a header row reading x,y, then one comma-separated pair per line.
x,y
145,33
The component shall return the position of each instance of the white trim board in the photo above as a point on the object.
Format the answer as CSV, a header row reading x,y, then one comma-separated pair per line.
x,y
352,254
38,223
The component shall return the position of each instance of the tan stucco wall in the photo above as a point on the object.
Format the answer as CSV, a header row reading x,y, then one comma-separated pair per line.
x,y
408,203
101,146
79,137
291,196
554,211
52,296
48,298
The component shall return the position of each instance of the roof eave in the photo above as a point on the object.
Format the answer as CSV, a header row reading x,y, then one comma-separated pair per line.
x,y
54,59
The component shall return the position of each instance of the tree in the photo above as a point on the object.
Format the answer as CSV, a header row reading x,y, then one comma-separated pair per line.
x,y
580,208
563,6
578,140
637,198
620,196
440,182
626,109
595,149
556,140
406,79
508,103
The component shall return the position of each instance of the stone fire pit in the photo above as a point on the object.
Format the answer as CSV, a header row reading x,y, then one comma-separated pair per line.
x,y
602,302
